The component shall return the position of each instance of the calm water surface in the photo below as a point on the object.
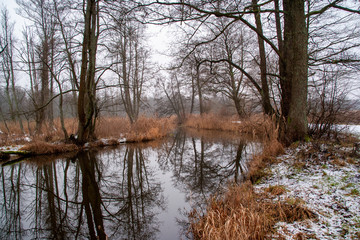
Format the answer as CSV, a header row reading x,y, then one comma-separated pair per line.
x,y
130,192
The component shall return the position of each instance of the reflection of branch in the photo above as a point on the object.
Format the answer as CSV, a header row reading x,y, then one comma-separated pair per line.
x,y
334,61
56,196
347,9
2,50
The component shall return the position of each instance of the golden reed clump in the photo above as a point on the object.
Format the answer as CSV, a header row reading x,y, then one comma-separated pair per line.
x,y
40,147
144,129
244,214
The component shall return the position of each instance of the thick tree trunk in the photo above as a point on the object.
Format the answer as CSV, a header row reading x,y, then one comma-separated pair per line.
x,y
45,92
239,108
294,83
87,89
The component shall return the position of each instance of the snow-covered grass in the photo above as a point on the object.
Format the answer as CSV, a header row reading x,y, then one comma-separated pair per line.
x,y
326,178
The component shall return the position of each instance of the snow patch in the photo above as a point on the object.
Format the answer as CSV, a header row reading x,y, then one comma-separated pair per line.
x,y
27,139
331,191
11,148
235,121
354,129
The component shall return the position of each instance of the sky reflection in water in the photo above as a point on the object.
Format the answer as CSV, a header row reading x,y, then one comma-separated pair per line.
x,y
129,192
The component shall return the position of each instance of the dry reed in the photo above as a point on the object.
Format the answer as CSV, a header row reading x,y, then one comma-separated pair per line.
x,y
146,128
241,213
255,125
244,214
271,148
40,147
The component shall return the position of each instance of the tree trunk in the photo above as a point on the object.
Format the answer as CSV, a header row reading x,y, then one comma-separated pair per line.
x,y
45,93
294,83
198,85
265,97
87,89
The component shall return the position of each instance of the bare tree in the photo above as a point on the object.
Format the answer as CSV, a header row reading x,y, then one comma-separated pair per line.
x,y
291,47
175,98
130,63
39,13
87,106
230,81
7,65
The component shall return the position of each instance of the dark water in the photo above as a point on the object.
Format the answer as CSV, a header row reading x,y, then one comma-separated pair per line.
x,y
130,192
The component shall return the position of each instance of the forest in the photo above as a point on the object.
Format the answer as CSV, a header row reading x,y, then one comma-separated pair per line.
x,y
296,60
273,79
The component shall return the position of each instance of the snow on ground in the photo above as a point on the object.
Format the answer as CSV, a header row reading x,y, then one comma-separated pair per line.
x,y
11,148
327,180
354,129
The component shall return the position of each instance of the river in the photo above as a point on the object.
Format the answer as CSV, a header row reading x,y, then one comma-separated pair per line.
x,y
134,191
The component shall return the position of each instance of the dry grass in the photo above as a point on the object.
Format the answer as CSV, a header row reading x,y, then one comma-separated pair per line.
x,y
244,214
145,129
112,127
272,148
276,190
40,147
255,125
50,132
241,213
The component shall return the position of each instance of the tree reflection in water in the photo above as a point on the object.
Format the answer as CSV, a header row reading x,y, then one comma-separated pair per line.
x,y
117,193
92,199
202,166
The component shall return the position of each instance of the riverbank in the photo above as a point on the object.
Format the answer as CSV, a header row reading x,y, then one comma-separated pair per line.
x,y
110,132
311,191
325,178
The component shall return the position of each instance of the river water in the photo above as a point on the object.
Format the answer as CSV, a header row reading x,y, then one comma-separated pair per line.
x,y
133,191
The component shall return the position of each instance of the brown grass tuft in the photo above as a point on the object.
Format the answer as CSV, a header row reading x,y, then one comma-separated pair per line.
x,y
144,129
243,214
276,190
112,127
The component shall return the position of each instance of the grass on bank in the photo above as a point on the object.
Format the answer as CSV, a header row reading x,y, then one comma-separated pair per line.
x,y
144,129
110,131
243,214
256,125
107,127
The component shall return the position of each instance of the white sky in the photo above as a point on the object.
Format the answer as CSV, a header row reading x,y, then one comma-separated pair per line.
x,y
156,36
159,38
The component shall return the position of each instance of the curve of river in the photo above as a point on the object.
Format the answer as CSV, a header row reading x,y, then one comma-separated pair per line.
x,y
133,191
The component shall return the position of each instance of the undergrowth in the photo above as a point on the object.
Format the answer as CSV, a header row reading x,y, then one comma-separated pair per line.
x,y
144,129
40,147
241,213
256,125
244,214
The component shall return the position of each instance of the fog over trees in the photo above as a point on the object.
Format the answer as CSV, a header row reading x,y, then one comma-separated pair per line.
x,y
295,60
